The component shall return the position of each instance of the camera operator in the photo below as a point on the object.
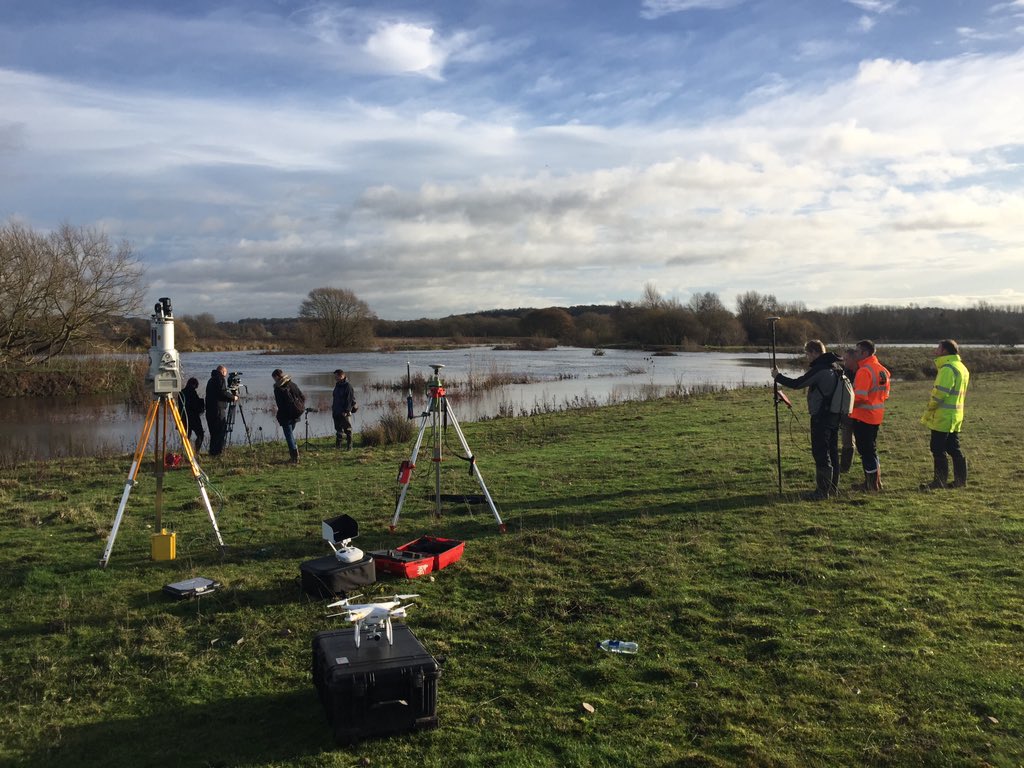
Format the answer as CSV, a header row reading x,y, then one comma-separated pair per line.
x,y
218,397
291,404
343,405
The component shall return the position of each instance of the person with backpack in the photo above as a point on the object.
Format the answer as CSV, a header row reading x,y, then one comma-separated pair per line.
x,y
291,404
944,416
870,391
824,384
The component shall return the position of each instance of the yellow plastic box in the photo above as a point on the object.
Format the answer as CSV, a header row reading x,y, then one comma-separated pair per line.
x,y
163,545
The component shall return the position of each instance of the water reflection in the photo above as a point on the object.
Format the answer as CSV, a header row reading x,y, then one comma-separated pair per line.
x,y
559,378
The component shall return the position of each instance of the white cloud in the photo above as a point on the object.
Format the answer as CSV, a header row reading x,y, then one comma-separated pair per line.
x,y
653,9
817,50
865,23
976,35
874,6
403,47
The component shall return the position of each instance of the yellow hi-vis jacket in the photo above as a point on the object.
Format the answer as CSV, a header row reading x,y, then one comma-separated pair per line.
x,y
945,411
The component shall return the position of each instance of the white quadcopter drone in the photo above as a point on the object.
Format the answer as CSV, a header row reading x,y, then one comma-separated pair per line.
x,y
373,615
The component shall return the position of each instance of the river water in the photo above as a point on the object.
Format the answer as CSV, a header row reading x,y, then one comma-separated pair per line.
x,y
564,377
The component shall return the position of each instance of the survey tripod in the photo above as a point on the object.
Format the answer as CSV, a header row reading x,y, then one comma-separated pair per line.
x,y
160,410
438,414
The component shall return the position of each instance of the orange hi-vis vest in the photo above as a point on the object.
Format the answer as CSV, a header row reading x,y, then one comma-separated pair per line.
x,y
870,391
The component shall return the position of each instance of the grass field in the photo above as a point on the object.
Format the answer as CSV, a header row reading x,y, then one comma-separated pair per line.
x,y
870,630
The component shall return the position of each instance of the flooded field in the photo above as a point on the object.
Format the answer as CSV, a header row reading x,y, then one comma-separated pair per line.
x,y
481,383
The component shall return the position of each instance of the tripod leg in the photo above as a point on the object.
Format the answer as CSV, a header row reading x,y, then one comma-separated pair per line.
x,y
412,462
196,472
437,458
476,470
778,438
140,451
159,457
245,425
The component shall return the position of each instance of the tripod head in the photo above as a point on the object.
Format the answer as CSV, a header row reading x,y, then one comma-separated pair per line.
x,y
435,388
164,374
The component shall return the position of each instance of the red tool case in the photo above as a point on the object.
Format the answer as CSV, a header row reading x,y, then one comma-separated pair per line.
x,y
420,557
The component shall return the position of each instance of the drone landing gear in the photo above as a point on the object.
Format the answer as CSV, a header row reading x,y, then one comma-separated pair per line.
x,y
158,412
438,414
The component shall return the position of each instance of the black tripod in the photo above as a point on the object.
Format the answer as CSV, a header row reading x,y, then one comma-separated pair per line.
x,y
308,411
236,406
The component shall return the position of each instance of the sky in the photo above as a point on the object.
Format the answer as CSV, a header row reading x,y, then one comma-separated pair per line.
x,y
439,157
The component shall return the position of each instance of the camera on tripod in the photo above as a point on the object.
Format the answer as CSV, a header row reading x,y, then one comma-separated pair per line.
x,y
235,381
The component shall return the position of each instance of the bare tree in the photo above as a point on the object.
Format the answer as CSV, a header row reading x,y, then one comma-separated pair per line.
x,y
720,326
753,310
55,289
341,319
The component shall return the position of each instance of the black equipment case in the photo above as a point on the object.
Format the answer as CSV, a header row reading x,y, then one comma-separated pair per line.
x,y
377,689
327,577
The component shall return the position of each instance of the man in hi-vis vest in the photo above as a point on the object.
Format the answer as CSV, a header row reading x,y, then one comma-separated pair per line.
x,y
945,415
870,391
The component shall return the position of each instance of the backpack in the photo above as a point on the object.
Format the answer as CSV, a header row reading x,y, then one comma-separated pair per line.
x,y
841,400
298,399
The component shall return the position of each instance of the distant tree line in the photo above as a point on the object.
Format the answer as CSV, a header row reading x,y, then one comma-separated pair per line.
x,y
653,322
705,320
74,291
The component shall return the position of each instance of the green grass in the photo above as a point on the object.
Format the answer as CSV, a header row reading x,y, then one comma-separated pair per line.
x,y
871,630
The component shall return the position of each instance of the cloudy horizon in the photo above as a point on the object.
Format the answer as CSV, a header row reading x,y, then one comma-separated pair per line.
x,y
443,158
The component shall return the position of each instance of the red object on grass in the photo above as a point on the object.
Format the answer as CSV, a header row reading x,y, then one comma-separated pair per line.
x,y
420,557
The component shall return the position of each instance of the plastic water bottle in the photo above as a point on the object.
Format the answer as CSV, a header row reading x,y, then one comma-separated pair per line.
x,y
617,646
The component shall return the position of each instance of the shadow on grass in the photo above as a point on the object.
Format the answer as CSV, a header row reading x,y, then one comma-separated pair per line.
x,y
251,730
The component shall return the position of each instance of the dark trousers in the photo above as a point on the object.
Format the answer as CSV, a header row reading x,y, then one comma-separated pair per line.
x,y
845,444
342,424
218,433
941,444
825,450
866,437
195,427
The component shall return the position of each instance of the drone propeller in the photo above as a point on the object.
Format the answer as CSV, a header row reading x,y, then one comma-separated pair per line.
x,y
344,601
398,598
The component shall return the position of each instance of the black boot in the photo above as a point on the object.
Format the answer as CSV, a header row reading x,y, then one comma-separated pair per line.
x,y
823,483
294,453
959,471
846,459
940,471
348,441
337,441
872,482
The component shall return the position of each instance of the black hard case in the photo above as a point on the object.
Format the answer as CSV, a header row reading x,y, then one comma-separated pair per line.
x,y
326,577
376,689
